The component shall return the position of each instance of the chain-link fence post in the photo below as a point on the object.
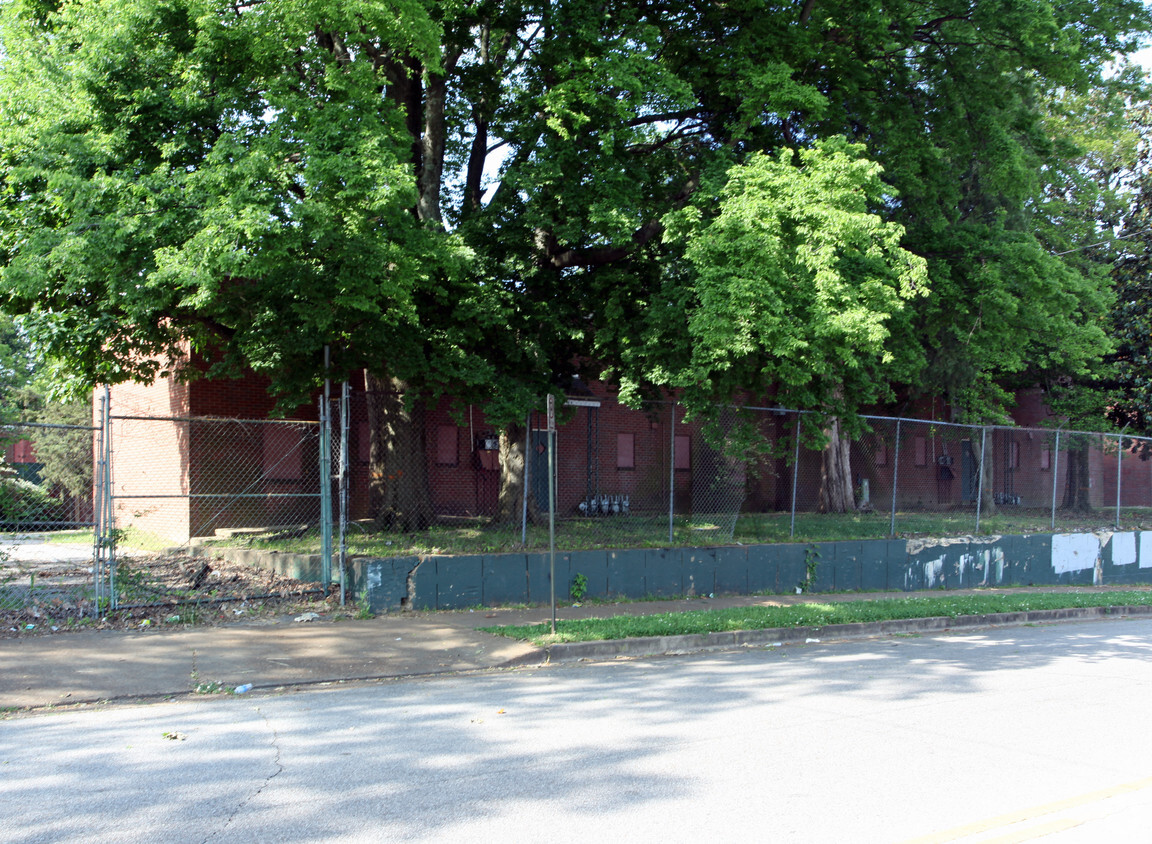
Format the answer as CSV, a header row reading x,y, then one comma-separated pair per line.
x,y
102,513
552,481
98,504
1119,471
345,426
527,480
895,477
980,475
672,475
795,475
1055,476
109,533
326,490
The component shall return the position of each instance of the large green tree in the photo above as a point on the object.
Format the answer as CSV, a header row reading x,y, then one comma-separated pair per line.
x,y
1094,214
488,196
966,139
1128,392
17,367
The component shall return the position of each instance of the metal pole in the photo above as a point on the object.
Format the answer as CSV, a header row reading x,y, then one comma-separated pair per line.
x,y
325,497
795,474
98,502
326,481
344,428
672,478
1055,474
1119,467
527,475
980,477
552,502
109,513
895,475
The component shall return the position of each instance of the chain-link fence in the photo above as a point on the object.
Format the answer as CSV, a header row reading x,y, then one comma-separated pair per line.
x,y
445,480
374,475
193,479
626,477
104,516
929,478
46,517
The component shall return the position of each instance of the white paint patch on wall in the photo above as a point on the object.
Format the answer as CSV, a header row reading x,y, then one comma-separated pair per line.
x,y
1123,549
998,561
1074,552
933,571
965,561
1146,549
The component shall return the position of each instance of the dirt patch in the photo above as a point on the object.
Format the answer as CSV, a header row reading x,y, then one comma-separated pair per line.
x,y
161,591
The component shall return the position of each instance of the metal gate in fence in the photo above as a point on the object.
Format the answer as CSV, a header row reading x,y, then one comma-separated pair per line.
x,y
76,500
167,482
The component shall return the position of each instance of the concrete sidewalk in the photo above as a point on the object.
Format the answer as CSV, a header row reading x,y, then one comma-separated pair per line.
x,y
94,666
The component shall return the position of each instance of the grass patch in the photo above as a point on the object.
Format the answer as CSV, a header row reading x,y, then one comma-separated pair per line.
x,y
650,530
70,537
811,615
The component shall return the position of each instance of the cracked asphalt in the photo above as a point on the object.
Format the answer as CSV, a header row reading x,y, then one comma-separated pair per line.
x,y
91,667
1005,734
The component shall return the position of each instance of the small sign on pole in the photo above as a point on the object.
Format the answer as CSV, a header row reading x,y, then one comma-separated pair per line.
x,y
551,414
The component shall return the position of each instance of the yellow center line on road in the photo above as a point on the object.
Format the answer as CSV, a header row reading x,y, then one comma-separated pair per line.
x,y
1033,832
1033,813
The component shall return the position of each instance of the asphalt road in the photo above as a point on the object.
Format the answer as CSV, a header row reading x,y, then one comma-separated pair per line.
x,y
1004,734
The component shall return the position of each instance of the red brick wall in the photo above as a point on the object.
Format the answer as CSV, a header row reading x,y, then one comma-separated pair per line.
x,y
21,451
629,454
246,398
150,458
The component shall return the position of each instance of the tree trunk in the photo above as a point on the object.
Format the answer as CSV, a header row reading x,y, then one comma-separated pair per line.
x,y
397,460
836,473
986,473
1077,489
514,478
432,149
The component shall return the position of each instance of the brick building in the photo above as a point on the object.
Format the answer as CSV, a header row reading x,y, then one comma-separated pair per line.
x,y
194,459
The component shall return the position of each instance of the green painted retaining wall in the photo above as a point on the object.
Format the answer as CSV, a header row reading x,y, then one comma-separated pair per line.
x,y
456,582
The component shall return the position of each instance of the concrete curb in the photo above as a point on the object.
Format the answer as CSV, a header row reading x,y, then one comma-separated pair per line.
x,y
696,642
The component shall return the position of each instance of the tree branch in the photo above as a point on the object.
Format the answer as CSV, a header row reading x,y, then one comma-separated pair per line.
x,y
553,255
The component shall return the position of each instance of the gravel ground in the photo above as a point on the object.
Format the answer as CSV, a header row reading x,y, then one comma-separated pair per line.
x,y
47,589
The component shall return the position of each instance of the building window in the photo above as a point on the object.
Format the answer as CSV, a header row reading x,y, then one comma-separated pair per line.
x,y
881,453
1045,458
920,446
447,446
625,451
683,445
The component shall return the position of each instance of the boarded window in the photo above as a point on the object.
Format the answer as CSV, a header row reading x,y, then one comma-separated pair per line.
x,y
683,446
1045,458
283,447
625,451
447,446
920,447
881,453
